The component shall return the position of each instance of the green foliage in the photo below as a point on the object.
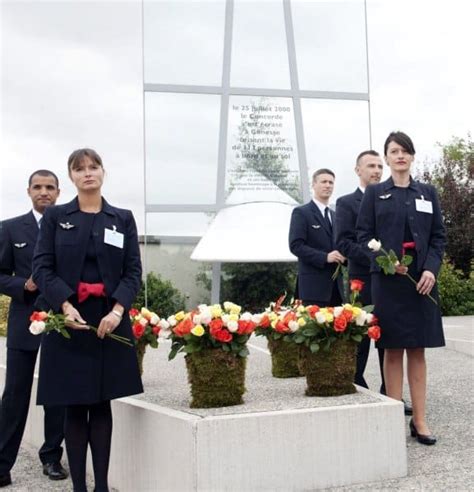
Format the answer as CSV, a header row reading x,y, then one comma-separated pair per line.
x,y
255,285
4,307
163,298
453,178
455,291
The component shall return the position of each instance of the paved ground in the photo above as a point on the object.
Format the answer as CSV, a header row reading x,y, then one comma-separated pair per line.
x,y
446,466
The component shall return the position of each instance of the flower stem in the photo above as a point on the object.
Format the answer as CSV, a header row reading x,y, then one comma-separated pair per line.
x,y
124,340
415,283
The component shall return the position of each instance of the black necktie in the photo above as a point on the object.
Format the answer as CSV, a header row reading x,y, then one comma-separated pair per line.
x,y
327,219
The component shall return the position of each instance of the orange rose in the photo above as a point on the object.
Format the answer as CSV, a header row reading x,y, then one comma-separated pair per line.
x,y
340,324
356,285
280,327
312,310
374,332
346,313
245,327
265,321
223,335
184,327
138,330
38,316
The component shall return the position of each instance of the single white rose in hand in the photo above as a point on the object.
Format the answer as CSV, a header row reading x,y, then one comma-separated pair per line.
x,y
37,327
374,245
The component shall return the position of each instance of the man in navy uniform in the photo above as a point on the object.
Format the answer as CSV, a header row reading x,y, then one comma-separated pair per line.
x,y
312,241
369,169
17,242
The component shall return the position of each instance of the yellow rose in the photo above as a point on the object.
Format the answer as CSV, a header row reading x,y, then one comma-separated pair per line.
x,y
272,316
274,322
216,311
233,317
198,331
235,309
348,307
145,313
301,321
179,316
356,311
329,317
301,309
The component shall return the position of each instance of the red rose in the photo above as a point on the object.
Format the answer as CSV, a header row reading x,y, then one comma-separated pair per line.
x,y
223,336
38,316
133,312
156,330
346,313
374,332
280,327
340,324
265,322
245,327
312,310
183,328
138,330
216,324
357,285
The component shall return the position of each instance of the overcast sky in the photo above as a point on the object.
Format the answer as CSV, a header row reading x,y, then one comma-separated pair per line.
x,y
71,76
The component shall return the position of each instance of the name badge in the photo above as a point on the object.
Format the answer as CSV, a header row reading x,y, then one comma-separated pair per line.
x,y
423,205
114,238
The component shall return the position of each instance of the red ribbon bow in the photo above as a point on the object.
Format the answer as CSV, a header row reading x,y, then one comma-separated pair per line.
x,y
408,245
84,290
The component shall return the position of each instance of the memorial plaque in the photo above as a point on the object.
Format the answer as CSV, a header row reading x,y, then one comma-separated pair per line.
x,y
262,160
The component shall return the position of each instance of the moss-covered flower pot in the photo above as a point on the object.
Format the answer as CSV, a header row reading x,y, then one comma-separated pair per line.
x,y
285,359
140,348
330,373
217,378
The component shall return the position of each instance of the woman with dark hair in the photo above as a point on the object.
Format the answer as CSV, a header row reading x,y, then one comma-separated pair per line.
x,y
404,215
87,266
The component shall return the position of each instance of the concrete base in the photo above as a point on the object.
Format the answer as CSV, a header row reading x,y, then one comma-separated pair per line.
x,y
157,448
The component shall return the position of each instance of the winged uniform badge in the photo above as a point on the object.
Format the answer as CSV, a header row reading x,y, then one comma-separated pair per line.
x,y
66,226
385,197
19,245
315,226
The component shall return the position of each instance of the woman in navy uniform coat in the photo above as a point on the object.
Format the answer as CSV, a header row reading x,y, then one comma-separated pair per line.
x,y
405,215
87,266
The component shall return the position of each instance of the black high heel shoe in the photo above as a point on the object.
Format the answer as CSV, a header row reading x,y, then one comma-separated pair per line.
x,y
429,440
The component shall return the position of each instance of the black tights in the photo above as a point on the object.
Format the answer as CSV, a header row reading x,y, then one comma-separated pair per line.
x,y
88,424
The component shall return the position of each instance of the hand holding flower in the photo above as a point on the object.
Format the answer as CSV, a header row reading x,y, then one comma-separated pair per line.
x,y
426,283
73,319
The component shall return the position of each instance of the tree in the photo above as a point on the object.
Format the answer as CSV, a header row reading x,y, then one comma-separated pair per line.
x,y
453,177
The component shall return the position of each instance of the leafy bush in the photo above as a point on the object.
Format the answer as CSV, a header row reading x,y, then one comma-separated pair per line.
x,y
4,305
255,285
455,290
163,298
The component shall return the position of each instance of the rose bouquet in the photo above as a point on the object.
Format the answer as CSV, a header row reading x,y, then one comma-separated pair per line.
x,y
214,340
44,322
211,327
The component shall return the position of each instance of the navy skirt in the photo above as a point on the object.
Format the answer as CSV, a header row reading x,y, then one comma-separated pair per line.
x,y
407,319
86,369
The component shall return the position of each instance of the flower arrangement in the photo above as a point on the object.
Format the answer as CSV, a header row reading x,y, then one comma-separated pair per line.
x,y
211,327
45,322
146,326
321,327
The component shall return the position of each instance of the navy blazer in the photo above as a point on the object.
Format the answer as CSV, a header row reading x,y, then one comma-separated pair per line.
x,y
17,242
382,216
311,240
347,211
61,249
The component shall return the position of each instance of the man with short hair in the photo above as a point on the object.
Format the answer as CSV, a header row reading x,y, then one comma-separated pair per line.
x,y
369,169
17,242
312,241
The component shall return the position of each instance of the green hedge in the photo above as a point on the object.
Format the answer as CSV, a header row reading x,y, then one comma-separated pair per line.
x,y
455,290
4,305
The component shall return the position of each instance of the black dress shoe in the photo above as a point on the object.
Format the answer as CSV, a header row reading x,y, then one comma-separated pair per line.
x,y
429,440
5,479
407,408
55,471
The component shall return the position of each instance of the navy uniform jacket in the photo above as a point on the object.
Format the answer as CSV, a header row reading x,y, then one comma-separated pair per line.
x,y
57,267
347,211
17,241
382,219
310,241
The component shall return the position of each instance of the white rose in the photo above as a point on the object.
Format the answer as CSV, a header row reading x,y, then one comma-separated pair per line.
x,y
320,317
154,320
337,311
163,324
232,326
197,319
172,320
293,325
361,319
143,321
246,316
164,333
225,319
257,318
369,317
206,316
37,327
227,305
374,245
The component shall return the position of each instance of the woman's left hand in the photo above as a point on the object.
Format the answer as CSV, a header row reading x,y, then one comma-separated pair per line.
x,y
107,325
426,282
